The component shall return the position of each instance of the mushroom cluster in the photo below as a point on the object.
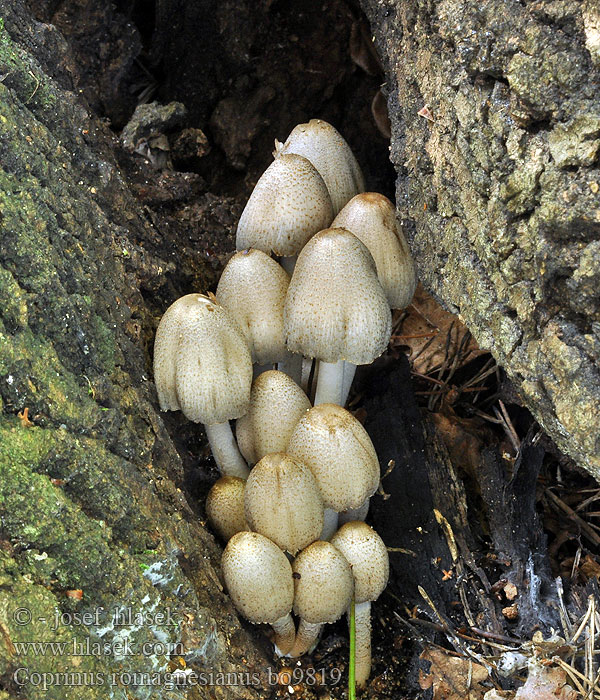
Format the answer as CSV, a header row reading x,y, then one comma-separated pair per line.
x,y
296,468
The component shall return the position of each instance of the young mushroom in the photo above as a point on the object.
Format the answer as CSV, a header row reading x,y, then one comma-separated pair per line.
x,y
202,366
324,146
225,506
259,579
367,554
323,586
253,288
289,204
276,404
335,309
371,217
282,501
341,456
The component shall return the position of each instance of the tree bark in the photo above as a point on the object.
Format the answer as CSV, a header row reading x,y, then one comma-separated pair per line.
x,y
94,519
495,113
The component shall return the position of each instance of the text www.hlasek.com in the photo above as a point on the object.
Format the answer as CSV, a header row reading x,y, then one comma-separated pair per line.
x,y
87,647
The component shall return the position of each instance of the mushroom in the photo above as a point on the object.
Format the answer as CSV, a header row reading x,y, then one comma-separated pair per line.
x,y
335,309
367,554
253,287
202,366
371,217
323,586
359,513
259,579
282,501
276,404
327,150
341,456
225,506
289,204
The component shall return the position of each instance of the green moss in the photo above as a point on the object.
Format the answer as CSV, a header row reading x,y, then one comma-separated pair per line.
x,y
40,382
30,83
12,300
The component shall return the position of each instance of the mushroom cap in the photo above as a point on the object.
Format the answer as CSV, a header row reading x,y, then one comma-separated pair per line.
x,y
258,577
368,556
340,454
276,404
245,438
327,150
225,506
202,363
323,583
253,288
371,217
282,501
289,204
335,307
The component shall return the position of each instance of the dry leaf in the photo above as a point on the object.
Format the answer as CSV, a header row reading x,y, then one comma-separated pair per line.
x,y
545,683
453,677
464,439
589,567
432,334
510,591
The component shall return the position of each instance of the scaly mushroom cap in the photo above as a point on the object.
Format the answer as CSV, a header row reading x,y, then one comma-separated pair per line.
x,y
368,556
258,577
323,583
282,502
253,288
335,307
289,204
327,150
225,506
340,454
371,217
202,363
276,404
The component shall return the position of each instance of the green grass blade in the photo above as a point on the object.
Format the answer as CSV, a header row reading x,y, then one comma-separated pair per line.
x,y
351,668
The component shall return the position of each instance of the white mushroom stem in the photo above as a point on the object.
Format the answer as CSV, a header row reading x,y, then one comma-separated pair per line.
x,y
330,524
348,375
307,365
330,383
292,366
225,450
362,617
285,634
306,636
259,369
360,513
288,262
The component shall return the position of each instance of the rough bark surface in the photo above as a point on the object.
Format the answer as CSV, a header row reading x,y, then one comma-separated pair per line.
x,y
499,186
93,518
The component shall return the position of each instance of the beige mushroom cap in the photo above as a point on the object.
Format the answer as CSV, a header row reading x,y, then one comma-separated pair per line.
x,y
258,577
340,454
368,556
371,217
282,502
276,404
335,307
202,363
327,150
289,204
323,583
253,288
225,506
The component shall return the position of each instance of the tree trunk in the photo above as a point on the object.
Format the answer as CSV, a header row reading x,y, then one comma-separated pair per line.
x,y
93,516
495,111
